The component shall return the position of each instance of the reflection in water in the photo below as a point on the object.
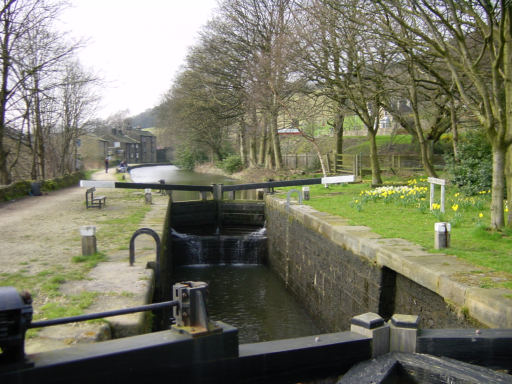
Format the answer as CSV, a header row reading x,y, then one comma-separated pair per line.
x,y
252,299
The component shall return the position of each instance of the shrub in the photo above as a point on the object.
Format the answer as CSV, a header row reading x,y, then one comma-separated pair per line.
x,y
187,159
472,172
231,164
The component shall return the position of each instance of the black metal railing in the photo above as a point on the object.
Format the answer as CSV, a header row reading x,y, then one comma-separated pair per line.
x,y
100,315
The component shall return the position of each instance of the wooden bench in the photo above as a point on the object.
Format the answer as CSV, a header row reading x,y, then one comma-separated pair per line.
x,y
92,201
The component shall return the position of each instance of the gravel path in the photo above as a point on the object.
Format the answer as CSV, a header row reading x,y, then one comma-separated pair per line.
x,y
40,235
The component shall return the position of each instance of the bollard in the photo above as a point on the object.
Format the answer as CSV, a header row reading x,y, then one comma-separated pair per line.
x,y
442,235
402,333
88,234
305,193
260,193
372,325
147,195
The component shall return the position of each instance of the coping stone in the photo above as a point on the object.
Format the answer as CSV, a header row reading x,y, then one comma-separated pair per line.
x,y
368,320
405,321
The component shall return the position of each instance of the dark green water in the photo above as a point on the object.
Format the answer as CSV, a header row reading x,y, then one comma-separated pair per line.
x,y
252,299
248,297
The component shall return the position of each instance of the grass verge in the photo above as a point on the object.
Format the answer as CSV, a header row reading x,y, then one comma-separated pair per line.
x,y
405,213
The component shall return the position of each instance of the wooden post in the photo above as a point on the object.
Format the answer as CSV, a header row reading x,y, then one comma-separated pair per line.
x,y
442,197
217,191
433,182
88,233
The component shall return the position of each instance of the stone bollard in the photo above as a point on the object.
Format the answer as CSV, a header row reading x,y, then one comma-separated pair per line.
x,y
88,234
305,193
442,235
403,332
260,193
372,325
147,196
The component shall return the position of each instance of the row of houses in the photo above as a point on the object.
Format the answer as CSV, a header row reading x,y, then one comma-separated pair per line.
x,y
133,145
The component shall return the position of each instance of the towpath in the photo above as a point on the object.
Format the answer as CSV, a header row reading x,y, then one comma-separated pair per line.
x,y
39,236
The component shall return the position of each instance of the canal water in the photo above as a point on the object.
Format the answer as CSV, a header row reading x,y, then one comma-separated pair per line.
x,y
252,299
247,296
173,175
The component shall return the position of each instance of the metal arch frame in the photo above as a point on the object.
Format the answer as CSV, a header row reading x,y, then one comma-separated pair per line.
x,y
155,236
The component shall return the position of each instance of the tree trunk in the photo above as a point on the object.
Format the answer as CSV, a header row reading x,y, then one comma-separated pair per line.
x,y
498,187
5,177
338,136
424,149
508,179
320,158
252,152
376,177
455,132
276,145
507,70
242,143
425,156
262,152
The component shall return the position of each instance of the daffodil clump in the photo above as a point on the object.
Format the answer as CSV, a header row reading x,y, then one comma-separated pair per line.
x,y
403,194
415,194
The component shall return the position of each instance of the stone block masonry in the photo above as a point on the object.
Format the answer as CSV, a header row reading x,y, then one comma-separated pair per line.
x,y
339,271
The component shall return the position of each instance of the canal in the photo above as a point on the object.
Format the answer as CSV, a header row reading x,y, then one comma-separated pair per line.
x,y
249,297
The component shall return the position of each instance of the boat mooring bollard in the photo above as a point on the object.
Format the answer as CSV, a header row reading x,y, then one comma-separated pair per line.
x,y
442,235
88,233
147,196
260,193
305,193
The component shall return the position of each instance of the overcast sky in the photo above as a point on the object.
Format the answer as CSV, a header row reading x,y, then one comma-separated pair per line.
x,y
136,46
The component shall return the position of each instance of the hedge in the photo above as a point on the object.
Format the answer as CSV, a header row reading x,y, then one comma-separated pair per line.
x,y
23,188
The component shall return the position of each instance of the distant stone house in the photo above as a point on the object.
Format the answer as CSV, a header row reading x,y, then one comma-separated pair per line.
x,y
92,150
134,146
147,144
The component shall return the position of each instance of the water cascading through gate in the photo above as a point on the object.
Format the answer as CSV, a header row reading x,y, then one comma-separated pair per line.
x,y
219,249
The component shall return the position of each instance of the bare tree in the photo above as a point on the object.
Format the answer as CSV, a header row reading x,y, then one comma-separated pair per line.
x,y
30,54
77,102
475,41
264,29
347,62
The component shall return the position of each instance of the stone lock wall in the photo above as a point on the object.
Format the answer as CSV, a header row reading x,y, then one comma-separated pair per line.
x,y
332,283
339,271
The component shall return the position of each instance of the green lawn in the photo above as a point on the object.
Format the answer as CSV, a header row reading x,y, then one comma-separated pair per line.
x,y
405,214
